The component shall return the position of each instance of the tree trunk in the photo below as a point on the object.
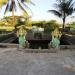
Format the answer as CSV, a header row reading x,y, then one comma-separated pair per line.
x,y
13,18
63,22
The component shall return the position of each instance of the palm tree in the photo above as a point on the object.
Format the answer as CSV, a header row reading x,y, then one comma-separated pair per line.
x,y
11,6
64,9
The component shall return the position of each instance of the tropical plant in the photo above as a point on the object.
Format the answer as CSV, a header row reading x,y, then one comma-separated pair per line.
x,y
20,22
12,6
64,9
49,26
72,25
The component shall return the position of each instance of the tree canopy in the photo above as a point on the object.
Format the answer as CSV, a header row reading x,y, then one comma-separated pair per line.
x,y
63,8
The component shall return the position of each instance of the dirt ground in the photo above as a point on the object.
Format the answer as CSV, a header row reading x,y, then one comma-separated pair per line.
x,y
14,62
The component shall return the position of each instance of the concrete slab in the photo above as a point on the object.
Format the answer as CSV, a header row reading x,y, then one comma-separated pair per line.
x,y
14,62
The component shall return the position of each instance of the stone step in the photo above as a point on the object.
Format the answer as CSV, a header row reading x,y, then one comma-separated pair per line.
x,y
28,50
38,51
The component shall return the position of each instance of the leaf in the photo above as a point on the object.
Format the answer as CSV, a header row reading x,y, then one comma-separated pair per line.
x,y
27,7
22,7
55,12
25,14
27,1
12,6
7,6
32,3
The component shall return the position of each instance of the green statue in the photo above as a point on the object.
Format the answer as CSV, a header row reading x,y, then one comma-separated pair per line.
x,y
55,42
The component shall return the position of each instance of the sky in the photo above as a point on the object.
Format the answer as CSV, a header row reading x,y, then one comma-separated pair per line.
x,y
40,11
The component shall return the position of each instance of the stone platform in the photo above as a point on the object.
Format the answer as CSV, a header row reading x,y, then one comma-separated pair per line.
x,y
18,62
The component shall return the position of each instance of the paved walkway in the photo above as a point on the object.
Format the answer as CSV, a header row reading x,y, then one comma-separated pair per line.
x,y
14,62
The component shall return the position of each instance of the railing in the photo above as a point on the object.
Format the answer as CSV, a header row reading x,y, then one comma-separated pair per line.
x,y
70,39
4,37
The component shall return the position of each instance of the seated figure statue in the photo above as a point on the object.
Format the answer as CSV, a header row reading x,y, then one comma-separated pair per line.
x,y
54,43
21,34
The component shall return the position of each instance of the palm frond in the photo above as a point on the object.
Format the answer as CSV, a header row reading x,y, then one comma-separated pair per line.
x,y
25,5
61,1
22,1
22,7
32,3
12,5
69,2
72,5
55,12
27,1
74,9
70,11
7,6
